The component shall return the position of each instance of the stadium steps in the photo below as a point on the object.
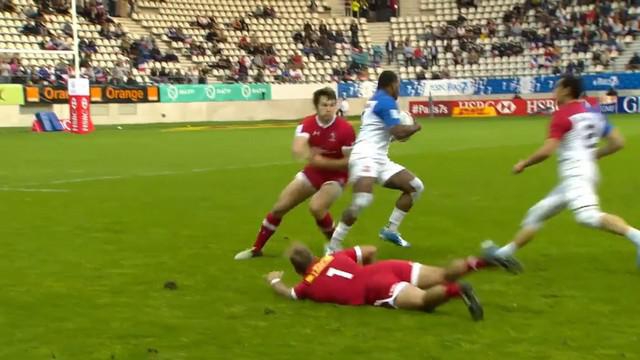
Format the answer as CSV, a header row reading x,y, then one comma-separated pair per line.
x,y
337,8
622,60
410,8
379,33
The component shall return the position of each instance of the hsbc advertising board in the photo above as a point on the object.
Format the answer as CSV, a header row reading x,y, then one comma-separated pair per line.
x,y
629,104
502,107
522,107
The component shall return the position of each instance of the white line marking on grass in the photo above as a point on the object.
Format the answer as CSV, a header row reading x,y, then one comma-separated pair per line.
x,y
153,174
8,189
78,180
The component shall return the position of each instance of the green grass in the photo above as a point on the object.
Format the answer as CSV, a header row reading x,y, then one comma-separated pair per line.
x,y
82,271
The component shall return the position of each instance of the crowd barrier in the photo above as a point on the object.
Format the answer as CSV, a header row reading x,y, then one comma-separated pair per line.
x,y
473,87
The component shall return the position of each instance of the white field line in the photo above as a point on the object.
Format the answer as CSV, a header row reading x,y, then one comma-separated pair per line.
x,y
146,174
10,189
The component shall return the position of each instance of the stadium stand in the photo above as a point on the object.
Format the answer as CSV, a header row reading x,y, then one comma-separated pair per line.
x,y
185,41
510,37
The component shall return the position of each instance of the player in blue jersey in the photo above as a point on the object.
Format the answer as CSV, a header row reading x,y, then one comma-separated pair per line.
x,y
369,163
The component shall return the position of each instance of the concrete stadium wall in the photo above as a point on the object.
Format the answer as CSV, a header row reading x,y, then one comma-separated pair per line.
x,y
293,109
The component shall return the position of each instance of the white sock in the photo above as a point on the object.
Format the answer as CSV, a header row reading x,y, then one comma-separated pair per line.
x,y
339,234
634,235
507,250
395,219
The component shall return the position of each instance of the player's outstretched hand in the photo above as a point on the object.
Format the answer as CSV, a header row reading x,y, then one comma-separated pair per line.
x,y
519,167
273,275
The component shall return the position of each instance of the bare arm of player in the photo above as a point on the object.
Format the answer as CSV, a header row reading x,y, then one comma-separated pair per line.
x,y
546,150
369,253
404,132
300,148
323,162
615,143
274,279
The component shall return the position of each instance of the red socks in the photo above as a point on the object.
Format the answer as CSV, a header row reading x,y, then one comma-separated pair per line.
x,y
271,222
326,225
269,226
452,290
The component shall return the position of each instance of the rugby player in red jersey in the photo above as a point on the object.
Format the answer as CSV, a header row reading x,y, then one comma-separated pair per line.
x,y
352,277
324,142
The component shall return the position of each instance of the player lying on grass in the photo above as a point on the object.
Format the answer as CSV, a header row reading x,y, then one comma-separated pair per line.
x,y
575,132
353,277
323,141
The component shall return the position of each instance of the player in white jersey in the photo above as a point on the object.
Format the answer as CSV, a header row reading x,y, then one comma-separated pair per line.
x,y
369,163
575,132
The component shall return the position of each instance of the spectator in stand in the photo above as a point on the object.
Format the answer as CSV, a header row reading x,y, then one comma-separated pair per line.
x,y
175,34
297,61
7,5
408,55
323,29
105,31
474,57
132,7
269,12
118,31
355,8
32,12
634,62
418,55
313,6
243,69
36,28
433,52
354,29
239,24
390,47
271,62
61,6
203,22
67,29
5,71
163,74
364,8
296,75
55,43
170,57
244,44
259,76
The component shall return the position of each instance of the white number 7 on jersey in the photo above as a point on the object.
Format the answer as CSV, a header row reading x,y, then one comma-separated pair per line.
x,y
333,271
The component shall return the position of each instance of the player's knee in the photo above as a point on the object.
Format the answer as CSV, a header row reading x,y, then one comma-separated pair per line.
x,y
418,188
590,216
534,218
360,201
318,211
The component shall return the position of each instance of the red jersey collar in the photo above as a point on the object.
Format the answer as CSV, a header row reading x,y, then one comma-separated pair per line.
x,y
324,126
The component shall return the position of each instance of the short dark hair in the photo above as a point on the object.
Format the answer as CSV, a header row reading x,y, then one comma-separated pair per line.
x,y
574,84
301,258
326,92
386,79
